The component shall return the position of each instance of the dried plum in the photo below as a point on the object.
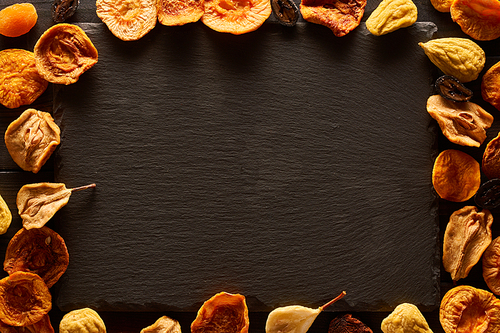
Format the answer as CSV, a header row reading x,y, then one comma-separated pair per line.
x,y
452,89
286,11
63,9
488,194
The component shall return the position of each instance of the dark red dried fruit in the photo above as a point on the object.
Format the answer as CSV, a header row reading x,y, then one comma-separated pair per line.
x,y
452,89
348,324
63,9
285,11
488,194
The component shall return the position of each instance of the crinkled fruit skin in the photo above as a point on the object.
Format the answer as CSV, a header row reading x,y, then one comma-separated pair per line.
x,y
164,324
63,9
41,326
468,309
405,318
491,266
20,83
442,5
5,216
391,15
180,12
17,19
491,158
490,86
63,53
24,299
222,313
348,324
41,251
480,19
83,320
285,11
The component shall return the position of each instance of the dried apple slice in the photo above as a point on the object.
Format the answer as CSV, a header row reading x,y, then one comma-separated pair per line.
x,y
180,12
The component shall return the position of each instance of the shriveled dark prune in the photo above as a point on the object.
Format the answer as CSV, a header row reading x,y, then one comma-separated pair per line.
x,y
452,89
63,9
286,11
488,194
348,324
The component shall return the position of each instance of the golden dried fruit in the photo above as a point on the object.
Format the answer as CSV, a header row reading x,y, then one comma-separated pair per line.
x,y
480,19
405,318
463,123
63,53
391,15
24,299
20,83
471,310
491,158
442,5
341,16
83,320
223,313
5,216
491,266
41,326
180,12
456,175
31,139
458,57
128,19
490,85
17,19
164,324
466,237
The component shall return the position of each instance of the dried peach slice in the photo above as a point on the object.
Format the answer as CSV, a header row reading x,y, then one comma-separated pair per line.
x,y
41,326
491,266
236,16
180,12
480,19
17,19
490,86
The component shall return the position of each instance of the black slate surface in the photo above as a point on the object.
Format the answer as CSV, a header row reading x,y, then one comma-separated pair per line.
x,y
286,165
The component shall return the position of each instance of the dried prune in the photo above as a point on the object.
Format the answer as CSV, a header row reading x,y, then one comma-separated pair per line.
x,y
348,324
405,318
491,266
285,11
164,324
83,320
63,9
488,195
41,326
450,88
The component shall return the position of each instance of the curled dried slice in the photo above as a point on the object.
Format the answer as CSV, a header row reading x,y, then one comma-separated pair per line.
x,y
63,53
180,12
5,216
491,158
467,309
24,299
20,83
480,19
490,86
164,324
462,123
391,15
348,324
31,139
451,88
491,266
41,326
83,320
40,251
285,11
488,195
223,313
405,318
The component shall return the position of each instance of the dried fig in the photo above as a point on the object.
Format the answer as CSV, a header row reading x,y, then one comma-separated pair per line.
x,y
83,320
405,318
348,324
391,15
163,325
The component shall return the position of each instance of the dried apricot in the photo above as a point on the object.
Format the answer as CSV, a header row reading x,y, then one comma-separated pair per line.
x,y
491,159
41,326
5,216
83,320
128,19
164,324
490,85
442,5
491,266
391,15
480,19
20,83
180,12
17,19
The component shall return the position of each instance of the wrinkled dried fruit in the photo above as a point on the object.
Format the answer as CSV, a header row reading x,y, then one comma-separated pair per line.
x,y
456,175
128,19
41,326
391,15
341,16
5,216
163,325
442,5
20,83
491,158
462,123
471,310
223,313
63,9
294,318
480,19
491,266
24,299
285,11
467,235
83,320
458,57
40,251
180,12
451,88
63,53
488,195
490,85
405,318
17,19
348,324
31,139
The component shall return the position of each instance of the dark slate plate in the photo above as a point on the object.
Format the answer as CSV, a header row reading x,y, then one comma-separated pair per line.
x,y
286,165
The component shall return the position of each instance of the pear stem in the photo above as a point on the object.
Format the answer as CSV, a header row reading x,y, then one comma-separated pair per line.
x,y
82,187
342,294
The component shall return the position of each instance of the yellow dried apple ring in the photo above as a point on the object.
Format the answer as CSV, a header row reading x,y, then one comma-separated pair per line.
x,y
180,12
480,19
63,53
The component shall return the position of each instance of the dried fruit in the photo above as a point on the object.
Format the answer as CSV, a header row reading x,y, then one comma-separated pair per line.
x,y
63,9
20,83
488,195
163,325
490,85
480,19
223,313
456,175
24,299
348,324
63,53
452,89
458,57
236,16
442,5
405,318
40,251
128,19
391,15
5,216
180,12
17,19
37,203
462,123
467,235
41,326
341,16
471,310
294,318
31,139
491,158
83,320
285,11
491,266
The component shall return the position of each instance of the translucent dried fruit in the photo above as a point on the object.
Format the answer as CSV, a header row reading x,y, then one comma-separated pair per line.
x,y
5,216
490,85
341,16
24,299
442,5
17,19
462,123
458,57
128,19
405,318
40,251
31,139
163,325
223,313
452,89
41,326
180,12
491,266
20,83
37,203
467,235
480,19
391,15
285,11
471,310
83,320
236,16
63,53
348,324
491,158
456,175
63,9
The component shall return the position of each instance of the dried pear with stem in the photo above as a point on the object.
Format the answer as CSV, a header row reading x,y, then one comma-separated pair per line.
x,y
405,318
164,324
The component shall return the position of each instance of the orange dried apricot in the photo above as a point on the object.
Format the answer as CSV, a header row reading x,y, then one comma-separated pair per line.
x,y
180,12
18,19
490,85
20,83
491,158
480,19
41,326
